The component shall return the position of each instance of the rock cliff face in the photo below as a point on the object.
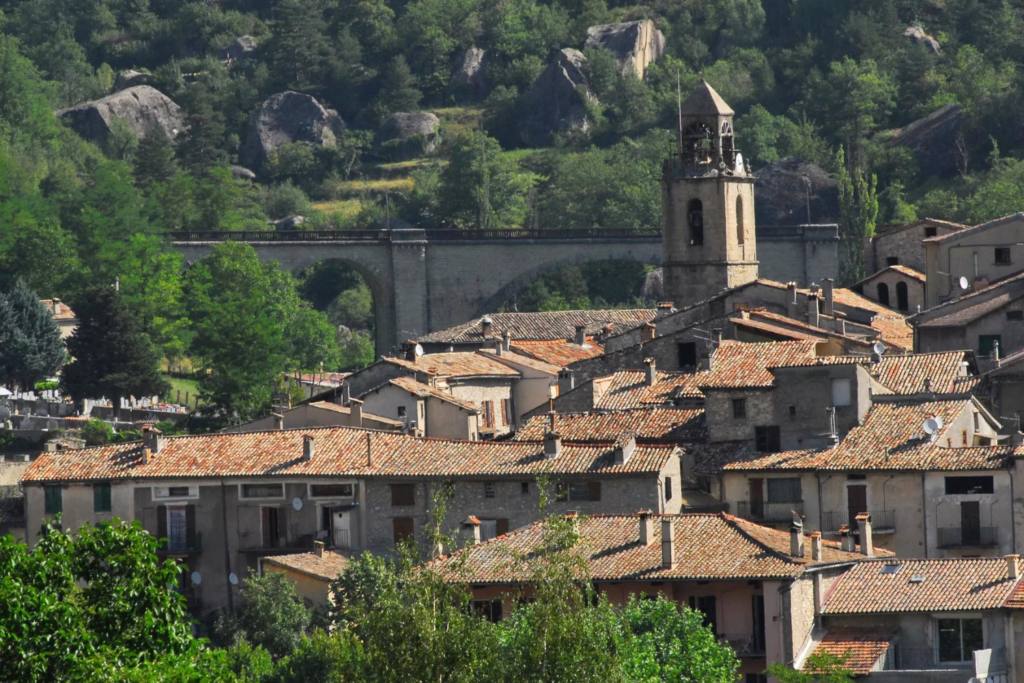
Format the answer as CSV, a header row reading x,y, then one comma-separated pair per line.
x,y
785,189
407,136
144,109
933,139
285,118
917,34
129,79
557,100
635,44
242,47
470,78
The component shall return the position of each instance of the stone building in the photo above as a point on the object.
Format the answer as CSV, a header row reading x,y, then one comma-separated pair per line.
x,y
980,255
897,287
903,244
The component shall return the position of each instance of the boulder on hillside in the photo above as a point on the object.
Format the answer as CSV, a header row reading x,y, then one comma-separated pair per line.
x,y
144,109
407,136
242,47
470,78
288,223
242,173
635,44
130,79
558,100
285,118
932,140
917,35
785,188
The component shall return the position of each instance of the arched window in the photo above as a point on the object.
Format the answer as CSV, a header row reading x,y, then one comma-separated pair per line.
x,y
695,219
902,300
727,145
698,145
739,220
883,293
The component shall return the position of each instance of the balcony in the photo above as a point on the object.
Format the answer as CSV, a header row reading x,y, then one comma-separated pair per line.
x,y
769,512
882,521
968,537
256,542
744,644
922,659
178,544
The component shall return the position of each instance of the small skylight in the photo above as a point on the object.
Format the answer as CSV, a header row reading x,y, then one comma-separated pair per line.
x,y
891,567
917,578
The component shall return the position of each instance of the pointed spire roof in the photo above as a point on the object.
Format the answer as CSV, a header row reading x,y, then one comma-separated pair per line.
x,y
704,101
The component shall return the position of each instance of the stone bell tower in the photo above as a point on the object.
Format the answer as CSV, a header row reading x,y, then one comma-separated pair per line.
x,y
707,205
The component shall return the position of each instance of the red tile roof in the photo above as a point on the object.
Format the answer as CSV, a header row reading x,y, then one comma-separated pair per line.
x,y
779,330
422,390
892,327
65,312
511,359
737,365
344,410
905,374
326,568
650,424
339,451
560,353
628,389
859,648
458,364
1016,599
906,271
540,326
708,547
937,585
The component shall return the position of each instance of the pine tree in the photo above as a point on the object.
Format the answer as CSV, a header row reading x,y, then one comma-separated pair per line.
x,y
300,49
32,347
398,91
154,161
112,357
201,149
858,211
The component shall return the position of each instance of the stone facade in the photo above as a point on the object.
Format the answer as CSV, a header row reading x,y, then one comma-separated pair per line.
x,y
983,254
898,290
903,244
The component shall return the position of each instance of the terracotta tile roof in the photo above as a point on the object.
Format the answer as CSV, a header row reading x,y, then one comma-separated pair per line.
x,y
628,389
541,326
344,410
946,585
12,511
709,547
860,648
710,458
339,451
972,312
1016,598
560,353
906,271
458,364
738,365
510,358
779,330
892,327
422,390
649,424
813,332
65,312
327,568
905,374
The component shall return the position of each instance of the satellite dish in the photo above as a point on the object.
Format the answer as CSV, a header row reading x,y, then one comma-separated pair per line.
x,y
963,283
197,578
297,504
739,163
932,426
233,579
418,350
878,348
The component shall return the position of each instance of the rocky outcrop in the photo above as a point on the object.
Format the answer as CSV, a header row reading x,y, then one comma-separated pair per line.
x,y
933,140
241,48
635,44
787,187
144,109
285,118
407,136
242,173
288,223
130,79
557,101
470,78
917,34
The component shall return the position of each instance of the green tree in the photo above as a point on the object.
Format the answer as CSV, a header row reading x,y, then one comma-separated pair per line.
x,y
31,348
433,32
398,91
202,147
154,161
852,101
271,615
858,211
480,188
112,356
41,253
300,49
819,668
96,432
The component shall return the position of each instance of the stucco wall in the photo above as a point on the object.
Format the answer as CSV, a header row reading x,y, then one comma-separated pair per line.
x,y
892,278
722,426
971,254
943,511
310,589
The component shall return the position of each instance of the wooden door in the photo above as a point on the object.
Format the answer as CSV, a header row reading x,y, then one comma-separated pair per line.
x,y
856,503
970,522
756,497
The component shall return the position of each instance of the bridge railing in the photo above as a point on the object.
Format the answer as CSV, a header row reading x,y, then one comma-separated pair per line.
x,y
431,235
553,233
280,236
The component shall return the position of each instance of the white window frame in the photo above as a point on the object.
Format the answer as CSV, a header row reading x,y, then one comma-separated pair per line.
x,y
183,509
309,490
163,493
985,635
840,381
242,496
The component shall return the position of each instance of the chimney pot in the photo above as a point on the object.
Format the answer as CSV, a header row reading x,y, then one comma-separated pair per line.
x,y
646,528
866,541
552,445
318,548
307,447
848,541
581,335
1013,566
829,297
816,546
153,438
506,341
647,332
651,370
485,326
796,537
668,556
356,412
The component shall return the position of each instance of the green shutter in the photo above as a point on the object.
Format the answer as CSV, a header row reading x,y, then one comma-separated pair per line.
x,y
54,500
101,498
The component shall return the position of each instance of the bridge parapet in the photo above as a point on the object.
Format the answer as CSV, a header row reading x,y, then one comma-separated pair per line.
x,y
407,235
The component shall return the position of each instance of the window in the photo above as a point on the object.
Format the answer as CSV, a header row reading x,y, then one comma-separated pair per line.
x,y
767,439
1003,256
161,492
505,418
987,344
489,414
708,605
959,638
54,500
101,498
739,408
964,436
883,293
401,411
668,488
892,260
739,220
902,296
585,491
403,528
262,490
1015,316
488,609
959,486
524,488
784,490
792,412
931,232
489,489
331,490
492,528
840,392
177,527
688,355
403,495
695,219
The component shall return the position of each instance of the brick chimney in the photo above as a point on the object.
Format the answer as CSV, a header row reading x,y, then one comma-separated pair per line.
x,y
355,412
646,527
651,370
307,447
153,438
668,556
581,335
830,304
816,546
849,543
552,445
867,543
1013,566
485,325
796,537
813,316
624,447
318,548
646,332
278,420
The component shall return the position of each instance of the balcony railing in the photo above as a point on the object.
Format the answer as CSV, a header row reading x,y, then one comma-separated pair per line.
x,y
899,658
769,512
881,521
968,537
744,644
181,545
340,539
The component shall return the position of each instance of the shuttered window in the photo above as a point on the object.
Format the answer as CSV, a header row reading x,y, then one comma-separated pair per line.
x,y
54,500
403,495
101,498
585,491
506,419
489,414
404,528
784,490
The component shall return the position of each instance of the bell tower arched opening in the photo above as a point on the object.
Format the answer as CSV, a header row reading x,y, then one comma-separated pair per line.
x,y
695,221
740,232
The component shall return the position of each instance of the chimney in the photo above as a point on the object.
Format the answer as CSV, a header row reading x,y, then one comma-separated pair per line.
x,y
668,556
995,350
307,447
830,304
153,438
145,454
927,385
506,341
346,393
552,445
472,524
650,367
664,308
624,447
581,335
318,548
566,381
355,413
791,301
796,537
1013,566
499,347
816,546
410,350
646,528
485,326
278,420
646,332
849,543
716,335
866,542
56,306
813,316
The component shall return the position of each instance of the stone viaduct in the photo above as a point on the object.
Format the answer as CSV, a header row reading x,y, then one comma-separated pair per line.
x,y
429,280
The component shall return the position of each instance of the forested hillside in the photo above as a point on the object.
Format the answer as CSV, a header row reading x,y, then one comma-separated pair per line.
x,y
270,110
